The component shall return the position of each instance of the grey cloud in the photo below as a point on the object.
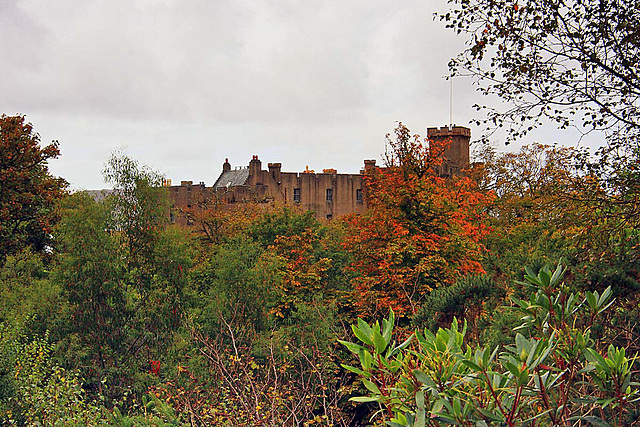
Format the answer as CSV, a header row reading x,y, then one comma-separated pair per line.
x,y
234,60
182,85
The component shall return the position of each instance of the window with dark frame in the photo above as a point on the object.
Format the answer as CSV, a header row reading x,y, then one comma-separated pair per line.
x,y
296,195
359,195
329,194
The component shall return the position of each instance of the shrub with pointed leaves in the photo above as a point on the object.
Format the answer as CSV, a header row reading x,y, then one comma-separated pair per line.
x,y
553,374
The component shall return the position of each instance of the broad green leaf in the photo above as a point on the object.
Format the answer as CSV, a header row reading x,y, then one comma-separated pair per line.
x,y
371,386
388,326
363,399
424,379
354,348
402,346
472,365
365,328
379,342
354,370
557,275
513,369
495,416
361,335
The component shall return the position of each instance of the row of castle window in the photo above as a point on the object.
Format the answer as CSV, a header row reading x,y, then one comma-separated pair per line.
x,y
329,195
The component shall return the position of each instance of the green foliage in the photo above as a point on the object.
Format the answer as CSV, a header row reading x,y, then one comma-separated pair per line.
x,y
283,222
155,413
266,367
287,375
573,64
138,197
139,210
125,278
91,271
465,299
43,392
163,329
237,282
552,373
29,301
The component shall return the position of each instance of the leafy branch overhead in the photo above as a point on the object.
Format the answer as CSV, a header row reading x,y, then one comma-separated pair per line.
x,y
573,62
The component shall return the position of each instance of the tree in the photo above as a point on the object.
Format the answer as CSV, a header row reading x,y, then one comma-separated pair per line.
x,y
536,190
141,206
123,274
90,270
574,62
420,230
28,192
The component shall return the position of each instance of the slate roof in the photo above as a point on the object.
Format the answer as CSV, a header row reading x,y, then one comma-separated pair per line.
x,y
99,195
232,178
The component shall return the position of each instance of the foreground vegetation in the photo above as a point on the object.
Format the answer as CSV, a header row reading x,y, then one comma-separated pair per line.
x,y
121,319
507,296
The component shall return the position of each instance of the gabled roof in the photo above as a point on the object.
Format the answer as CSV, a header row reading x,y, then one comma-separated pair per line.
x,y
232,178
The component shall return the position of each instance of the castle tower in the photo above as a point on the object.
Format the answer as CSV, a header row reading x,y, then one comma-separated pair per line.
x,y
456,155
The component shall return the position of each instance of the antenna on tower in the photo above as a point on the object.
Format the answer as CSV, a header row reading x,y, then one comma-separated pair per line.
x,y
450,101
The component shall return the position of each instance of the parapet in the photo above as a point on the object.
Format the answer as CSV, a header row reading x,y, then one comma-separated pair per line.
x,y
445,131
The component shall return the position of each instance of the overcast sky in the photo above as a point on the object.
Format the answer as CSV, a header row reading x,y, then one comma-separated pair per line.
x,y
181,86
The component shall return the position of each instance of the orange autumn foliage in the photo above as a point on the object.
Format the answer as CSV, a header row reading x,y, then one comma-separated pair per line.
x,y
420,231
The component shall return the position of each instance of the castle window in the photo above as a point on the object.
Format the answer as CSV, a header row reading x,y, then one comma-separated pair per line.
x,y
359,195
329,194
296,195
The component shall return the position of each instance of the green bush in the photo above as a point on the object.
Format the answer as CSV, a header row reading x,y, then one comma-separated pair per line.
x,y
43,393
553,373
466,299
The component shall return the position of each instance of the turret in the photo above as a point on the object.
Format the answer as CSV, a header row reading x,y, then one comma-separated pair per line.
x,y
456,154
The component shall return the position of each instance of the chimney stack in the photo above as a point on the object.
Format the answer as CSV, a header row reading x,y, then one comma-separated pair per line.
x,y
255,166
275,169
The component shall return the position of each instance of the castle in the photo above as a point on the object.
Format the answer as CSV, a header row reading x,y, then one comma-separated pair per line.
x,y
329,194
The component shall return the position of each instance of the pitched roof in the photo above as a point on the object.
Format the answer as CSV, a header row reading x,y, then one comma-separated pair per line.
x,y
232,178
99,195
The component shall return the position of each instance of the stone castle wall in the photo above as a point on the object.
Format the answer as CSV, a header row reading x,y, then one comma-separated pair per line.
x,y
328,194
